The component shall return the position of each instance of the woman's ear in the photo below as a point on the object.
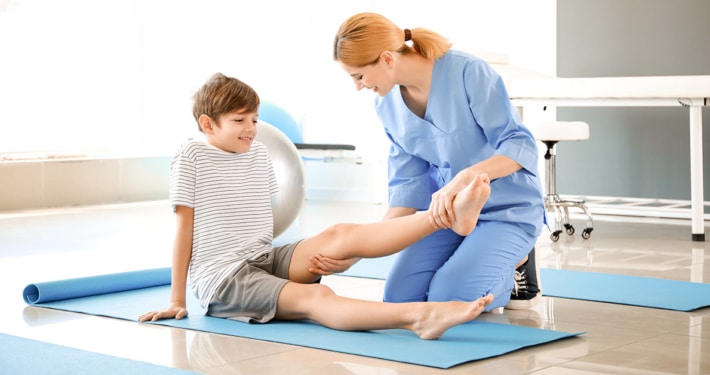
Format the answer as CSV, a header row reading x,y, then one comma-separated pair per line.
x,y
205,124
387,57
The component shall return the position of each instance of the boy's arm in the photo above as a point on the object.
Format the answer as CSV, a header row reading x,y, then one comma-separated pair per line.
x,y
182,253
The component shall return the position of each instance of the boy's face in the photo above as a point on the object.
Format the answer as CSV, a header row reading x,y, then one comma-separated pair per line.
x,y
232,132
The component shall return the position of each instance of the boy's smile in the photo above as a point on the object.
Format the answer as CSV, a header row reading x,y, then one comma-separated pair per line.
x,y
232,132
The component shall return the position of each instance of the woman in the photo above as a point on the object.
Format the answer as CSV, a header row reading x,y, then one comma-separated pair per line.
x,y
449,118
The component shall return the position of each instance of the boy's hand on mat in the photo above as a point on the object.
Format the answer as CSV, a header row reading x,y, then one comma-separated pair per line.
x,y
174,311
323,265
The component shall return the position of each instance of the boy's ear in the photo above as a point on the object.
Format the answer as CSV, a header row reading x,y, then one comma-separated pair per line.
x,y
205,124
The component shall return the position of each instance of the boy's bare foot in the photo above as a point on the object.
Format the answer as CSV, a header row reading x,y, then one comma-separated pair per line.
x,y
437,317
468,204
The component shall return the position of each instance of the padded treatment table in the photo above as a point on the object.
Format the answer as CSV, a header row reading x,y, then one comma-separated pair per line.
x,y
692,92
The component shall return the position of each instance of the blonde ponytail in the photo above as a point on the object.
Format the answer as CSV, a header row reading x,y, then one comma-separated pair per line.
x,y
363,37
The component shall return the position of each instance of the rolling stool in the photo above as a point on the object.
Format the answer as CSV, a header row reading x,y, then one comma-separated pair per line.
x,y
550,134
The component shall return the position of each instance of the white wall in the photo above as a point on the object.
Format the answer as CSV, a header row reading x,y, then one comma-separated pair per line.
x,y
117,76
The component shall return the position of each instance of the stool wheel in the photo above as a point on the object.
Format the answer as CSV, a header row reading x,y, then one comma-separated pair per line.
x,y
554,236
587,232
569,229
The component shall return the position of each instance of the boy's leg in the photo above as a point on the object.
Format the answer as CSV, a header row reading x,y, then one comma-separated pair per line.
x,y
372,240
429,320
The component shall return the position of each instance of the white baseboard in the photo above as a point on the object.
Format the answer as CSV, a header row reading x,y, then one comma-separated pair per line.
x,y
39,184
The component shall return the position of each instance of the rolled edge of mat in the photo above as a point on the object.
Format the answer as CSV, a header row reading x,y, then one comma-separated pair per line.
x,y
95,285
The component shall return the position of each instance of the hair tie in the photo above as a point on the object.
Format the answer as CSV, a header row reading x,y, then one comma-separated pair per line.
x,y
407,35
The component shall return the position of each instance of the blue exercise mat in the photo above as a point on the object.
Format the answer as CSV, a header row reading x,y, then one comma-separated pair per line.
x,y
20,355
590,286
626,290
464,343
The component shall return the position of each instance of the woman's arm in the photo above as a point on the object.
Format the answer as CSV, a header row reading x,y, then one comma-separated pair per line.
x,y
495,167
442,209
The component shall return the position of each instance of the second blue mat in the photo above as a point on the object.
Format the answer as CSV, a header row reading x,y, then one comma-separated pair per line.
x,y
624,289
19,355
590,286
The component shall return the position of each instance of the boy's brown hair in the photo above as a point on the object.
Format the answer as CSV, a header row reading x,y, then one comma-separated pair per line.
x,y
221,95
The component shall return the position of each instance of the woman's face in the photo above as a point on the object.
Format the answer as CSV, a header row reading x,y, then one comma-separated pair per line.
x,y
376,76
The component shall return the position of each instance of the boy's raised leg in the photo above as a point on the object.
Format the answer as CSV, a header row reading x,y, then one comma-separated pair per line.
x,y
378,239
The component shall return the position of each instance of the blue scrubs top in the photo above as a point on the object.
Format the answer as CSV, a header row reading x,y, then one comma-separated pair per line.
x,y
468,119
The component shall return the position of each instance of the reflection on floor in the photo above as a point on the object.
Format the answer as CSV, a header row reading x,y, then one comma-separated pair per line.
x,y
68,243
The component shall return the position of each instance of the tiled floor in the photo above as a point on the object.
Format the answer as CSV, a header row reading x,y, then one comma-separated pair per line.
x,y
68,243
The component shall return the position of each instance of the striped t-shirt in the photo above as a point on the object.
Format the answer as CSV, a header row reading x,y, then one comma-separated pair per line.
x,y
231,195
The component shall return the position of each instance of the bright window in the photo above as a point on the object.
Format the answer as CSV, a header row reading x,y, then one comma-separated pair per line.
x,y
117,76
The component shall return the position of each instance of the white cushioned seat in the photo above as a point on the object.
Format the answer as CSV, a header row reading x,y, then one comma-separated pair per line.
x,y
561,131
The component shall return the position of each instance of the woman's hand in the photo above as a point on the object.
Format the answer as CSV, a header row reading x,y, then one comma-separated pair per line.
x,y
323,265
174,311
441,209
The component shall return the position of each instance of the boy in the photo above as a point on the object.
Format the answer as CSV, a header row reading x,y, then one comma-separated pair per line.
x,y
221,191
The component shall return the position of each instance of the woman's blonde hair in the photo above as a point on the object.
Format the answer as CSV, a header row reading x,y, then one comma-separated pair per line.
x,y
363,37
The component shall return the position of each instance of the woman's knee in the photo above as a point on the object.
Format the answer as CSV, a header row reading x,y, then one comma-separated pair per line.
x,y
411,275
405,291
498,285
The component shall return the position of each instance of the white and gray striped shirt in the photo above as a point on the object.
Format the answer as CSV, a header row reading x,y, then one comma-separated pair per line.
x,y
231,195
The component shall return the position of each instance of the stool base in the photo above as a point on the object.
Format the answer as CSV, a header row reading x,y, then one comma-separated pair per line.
x,y
561,208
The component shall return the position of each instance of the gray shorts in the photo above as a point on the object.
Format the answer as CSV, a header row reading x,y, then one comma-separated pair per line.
x,y
250,294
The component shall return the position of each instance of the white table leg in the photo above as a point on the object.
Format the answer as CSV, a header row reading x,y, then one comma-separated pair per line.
x,y
696,173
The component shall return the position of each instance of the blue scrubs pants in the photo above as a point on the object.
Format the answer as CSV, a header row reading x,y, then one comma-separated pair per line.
x,y
447,267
